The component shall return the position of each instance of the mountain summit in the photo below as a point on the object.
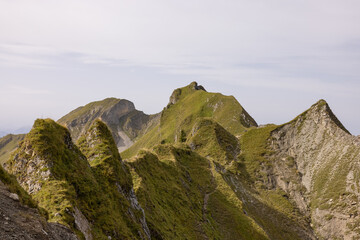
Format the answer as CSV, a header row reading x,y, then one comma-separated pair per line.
x,y
126,123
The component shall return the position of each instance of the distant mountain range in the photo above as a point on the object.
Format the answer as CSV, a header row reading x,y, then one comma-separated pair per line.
x,y
200,169
21,130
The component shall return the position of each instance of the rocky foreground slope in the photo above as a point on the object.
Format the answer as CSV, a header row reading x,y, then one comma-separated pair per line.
x,y
201,169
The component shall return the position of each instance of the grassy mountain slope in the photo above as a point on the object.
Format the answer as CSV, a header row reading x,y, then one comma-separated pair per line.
x,y
177,189
114,178
240,174
232,180
186,106
8,144
58,176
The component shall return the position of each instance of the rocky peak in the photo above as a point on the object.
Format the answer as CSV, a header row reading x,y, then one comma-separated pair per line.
x,y
195,86
118,110
34,161
323,157
322,116
181,92
100,149
120,115
98,144
49,166
327,114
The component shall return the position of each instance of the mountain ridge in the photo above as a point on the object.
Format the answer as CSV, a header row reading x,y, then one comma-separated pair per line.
x,y
200,169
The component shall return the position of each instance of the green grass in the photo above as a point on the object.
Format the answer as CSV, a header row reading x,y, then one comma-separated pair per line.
x,y
110,172
255,152
73,183
57,197
212,140
177,119
171,183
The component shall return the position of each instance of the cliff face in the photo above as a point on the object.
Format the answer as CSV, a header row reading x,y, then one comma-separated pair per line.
x,y
326,161
124,121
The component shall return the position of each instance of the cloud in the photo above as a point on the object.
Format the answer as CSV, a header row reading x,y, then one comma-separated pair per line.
x,y
19,90
177,31
24,55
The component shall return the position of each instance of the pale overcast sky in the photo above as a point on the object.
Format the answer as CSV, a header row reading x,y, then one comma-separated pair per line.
x,y
276,57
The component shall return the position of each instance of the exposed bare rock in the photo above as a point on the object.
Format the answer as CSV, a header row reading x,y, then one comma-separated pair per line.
x,y
82,224
317,162
175,96
124,121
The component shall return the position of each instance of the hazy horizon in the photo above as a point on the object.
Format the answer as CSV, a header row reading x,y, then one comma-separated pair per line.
x,y
276,58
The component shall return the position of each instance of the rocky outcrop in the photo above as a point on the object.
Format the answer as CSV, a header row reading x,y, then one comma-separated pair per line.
x,y
48,165
176,95
124,121
22,222
316,161
82,224
111,172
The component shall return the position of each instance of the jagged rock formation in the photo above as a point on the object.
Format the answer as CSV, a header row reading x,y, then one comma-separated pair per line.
x,y
113,175
59,178
124,121
201,169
